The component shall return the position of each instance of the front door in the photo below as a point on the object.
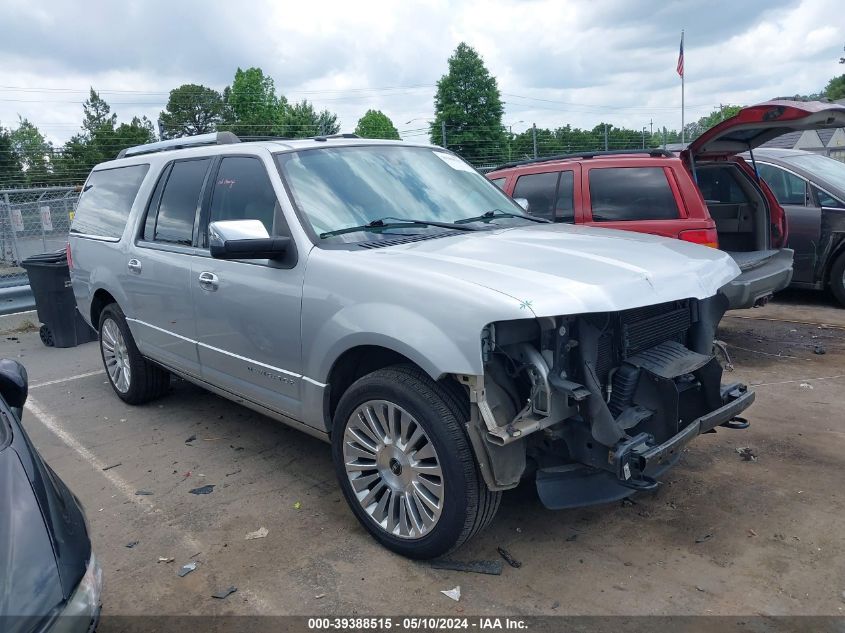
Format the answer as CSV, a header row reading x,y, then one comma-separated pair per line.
x,y
248,311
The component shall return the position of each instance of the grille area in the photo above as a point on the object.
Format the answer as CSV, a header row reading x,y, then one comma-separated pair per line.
x,y
644,328
632,331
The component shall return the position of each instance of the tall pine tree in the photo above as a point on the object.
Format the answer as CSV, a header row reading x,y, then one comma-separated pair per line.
x,y
469,102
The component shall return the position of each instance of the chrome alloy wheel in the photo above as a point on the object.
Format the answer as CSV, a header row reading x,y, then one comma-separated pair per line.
x,y
393,468
115,356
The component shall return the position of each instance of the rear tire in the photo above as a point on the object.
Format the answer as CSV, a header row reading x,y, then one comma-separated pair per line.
x,y
134,379
423,495
837,278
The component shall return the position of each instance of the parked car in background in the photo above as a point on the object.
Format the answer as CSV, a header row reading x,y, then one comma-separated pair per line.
x,y
51,578
709,196
811,188
385,297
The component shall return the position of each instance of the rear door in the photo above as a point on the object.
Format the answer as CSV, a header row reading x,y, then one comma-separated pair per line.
x,y
803,216
640,196
248,311
157,273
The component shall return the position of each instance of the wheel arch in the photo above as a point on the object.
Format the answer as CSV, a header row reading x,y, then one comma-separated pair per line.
x,y
99,301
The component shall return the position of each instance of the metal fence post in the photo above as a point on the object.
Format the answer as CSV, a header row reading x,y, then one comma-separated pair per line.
x,y
12,229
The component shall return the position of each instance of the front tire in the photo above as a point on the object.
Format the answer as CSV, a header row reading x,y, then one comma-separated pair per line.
x,y
405,464
837,278
134,379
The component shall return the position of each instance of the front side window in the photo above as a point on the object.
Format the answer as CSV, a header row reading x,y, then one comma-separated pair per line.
x,y
106,200
177,209
539,190
351,187
631,193
827,200
787,187
500,182
242,191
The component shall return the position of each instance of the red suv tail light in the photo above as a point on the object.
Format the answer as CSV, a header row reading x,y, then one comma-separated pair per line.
x,y
705,237
69,256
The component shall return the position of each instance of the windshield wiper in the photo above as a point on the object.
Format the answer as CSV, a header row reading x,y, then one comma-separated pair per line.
x,y
382,223
498,213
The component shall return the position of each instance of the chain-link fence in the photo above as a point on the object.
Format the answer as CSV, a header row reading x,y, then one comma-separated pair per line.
x,y
32,221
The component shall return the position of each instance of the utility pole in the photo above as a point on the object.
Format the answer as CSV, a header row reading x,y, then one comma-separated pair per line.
x,y
644,137
534,137
443,133
605,137
651,127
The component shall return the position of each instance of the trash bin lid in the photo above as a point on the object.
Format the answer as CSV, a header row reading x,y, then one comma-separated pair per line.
x,y
57,257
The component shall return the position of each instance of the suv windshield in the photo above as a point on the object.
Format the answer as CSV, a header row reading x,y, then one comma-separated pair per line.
x,y
355,187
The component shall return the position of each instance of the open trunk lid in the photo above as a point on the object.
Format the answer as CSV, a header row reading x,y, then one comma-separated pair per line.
x,y
757,124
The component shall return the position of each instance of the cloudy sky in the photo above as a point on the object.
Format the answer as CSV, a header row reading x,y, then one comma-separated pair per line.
x,y
556,61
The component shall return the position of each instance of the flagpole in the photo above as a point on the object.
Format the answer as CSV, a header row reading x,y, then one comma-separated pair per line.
x,y
682,90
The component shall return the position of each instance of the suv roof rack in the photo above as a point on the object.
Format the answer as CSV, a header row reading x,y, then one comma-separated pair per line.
x,y
325,137
214,138
656,151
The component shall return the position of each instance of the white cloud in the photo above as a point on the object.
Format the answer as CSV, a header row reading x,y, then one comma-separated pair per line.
x,y
556,62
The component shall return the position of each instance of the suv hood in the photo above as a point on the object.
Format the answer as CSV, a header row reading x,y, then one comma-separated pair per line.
x,y
757,124
563,269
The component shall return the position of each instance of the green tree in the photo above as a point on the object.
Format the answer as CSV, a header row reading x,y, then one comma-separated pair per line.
x,y
835,88
101,139
191,109
697,128
251,106
301,120
33,152
469,103
136,132
10,167
376,124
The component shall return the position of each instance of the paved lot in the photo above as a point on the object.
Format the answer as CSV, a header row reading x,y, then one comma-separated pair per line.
x,y
775,524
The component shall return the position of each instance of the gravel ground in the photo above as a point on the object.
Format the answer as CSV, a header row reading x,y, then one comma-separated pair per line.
x,y
723,535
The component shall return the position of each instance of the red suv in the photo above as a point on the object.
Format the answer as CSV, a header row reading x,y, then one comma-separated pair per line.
x,y
655,191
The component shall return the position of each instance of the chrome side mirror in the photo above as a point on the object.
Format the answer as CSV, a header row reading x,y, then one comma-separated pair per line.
x,y
244,239
523,202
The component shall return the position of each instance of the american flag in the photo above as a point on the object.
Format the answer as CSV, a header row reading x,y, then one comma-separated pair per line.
x,y
680,68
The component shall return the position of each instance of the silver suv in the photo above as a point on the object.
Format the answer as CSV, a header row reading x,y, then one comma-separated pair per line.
x,y
387,298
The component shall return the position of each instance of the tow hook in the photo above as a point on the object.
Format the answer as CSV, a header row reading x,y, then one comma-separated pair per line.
x,y
641,483
737,423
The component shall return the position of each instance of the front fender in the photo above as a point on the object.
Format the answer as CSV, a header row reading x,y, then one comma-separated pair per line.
x,y
396,328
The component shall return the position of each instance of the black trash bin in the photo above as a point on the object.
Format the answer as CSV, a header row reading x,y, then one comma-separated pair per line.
x,y
49,279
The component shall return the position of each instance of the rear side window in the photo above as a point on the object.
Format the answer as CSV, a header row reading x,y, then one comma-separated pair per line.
x,y
177,208
106,201
788,188
539,190
242,191
500,182
631,193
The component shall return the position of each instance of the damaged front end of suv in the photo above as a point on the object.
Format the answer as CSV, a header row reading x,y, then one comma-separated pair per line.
x,y
599,405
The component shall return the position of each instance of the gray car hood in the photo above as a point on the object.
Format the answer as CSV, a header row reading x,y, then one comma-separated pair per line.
x,y
563,269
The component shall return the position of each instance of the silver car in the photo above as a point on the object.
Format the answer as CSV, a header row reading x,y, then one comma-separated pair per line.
x,y
387,298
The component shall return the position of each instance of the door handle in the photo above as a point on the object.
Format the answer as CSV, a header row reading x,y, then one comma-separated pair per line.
x,y
208,281
134,266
